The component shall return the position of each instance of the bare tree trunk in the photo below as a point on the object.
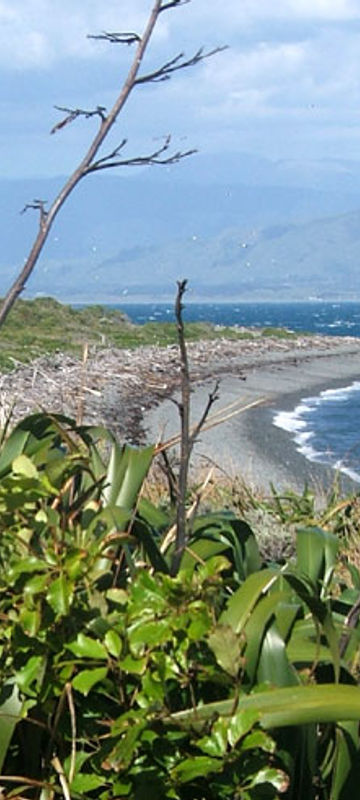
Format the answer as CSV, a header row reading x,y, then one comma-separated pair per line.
x,y
107,120
187,439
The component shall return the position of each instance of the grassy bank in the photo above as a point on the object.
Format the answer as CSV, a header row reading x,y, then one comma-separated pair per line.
x,y
42,326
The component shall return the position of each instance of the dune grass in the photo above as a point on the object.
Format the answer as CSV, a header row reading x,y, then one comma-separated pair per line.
x,y
44,325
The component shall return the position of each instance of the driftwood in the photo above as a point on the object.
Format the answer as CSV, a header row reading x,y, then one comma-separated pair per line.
x,y
115,387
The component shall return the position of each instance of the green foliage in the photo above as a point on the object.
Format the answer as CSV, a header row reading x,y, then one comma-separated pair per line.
x,y
234,679
43,326
279,333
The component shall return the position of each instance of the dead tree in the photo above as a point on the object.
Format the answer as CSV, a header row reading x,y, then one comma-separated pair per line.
x,y
92,160
188,435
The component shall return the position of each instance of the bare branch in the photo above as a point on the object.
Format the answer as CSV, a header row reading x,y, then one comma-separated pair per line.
x,y
174,4
116,38
155,157
90,161
73,113
37,205
212,398
169,473
177,63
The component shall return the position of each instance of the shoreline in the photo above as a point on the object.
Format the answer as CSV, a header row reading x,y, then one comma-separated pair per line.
x,y
128,391
249,444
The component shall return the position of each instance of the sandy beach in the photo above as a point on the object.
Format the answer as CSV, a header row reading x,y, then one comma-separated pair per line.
x,y
249,444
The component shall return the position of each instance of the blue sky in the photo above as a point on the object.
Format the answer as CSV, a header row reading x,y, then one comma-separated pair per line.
x,y
287,87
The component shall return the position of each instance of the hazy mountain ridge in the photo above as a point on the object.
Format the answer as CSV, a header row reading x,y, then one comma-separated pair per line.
x,y
288,262
135,235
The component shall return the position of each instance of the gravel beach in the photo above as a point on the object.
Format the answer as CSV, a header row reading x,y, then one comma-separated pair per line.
x,y
249,444
129,391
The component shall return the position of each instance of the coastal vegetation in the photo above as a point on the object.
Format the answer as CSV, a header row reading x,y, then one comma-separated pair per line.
x,y
235,677
148,653
44,325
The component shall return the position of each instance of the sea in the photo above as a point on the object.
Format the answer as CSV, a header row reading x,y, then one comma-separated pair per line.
x,y
325,428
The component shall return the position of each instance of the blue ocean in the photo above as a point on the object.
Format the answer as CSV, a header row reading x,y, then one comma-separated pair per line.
x,y
325,428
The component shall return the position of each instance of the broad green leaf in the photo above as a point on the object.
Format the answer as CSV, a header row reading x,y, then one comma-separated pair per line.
x,y
196,767
149,540
85,647
126,472
22,465
286,614
155,517
35,585
113,643
60,595
275,777
201,550
274,666
259,739
298,705
256,628
83,783
125,748
321,612
316,553
135,666
85,680
149,634
243,601
240,723
30,620
25,565
223,532
227,648
10,714
12,448
217,742
30,673
118,596
346,769
304,646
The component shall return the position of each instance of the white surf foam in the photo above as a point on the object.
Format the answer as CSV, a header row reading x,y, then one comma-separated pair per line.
x,y
296,422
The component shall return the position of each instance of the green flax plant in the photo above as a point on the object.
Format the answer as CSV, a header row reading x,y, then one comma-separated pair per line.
x,y
231,679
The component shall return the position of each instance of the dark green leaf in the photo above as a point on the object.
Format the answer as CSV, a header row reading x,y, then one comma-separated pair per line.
x,y
85,680
60,595
85,647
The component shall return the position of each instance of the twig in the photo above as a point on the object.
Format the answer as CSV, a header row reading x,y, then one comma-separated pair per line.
x,y
62,777
201,493
37,205
73,113
116,38
174,4
164,72
70,700
81,398
215,419
155,157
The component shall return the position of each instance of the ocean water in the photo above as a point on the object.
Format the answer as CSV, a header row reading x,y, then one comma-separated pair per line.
x,y
339,319
325,428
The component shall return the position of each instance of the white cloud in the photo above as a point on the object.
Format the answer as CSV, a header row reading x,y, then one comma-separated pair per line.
x,y
36,33
233,12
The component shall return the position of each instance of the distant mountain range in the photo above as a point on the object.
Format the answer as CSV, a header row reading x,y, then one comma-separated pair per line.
x,y
133,236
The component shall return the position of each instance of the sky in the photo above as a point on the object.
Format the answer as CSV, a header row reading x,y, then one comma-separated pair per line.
x,y
287,87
